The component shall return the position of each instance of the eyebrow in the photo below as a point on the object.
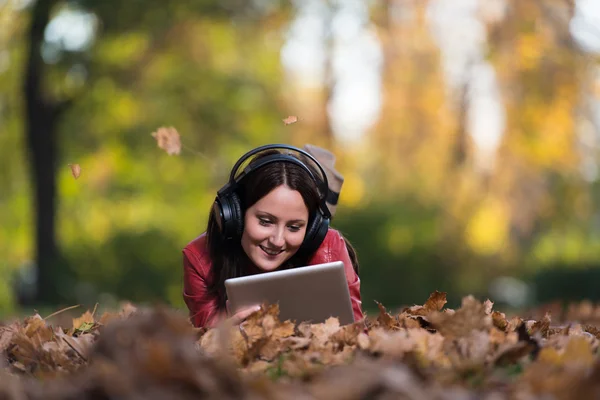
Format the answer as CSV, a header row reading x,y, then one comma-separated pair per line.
x,y
275,218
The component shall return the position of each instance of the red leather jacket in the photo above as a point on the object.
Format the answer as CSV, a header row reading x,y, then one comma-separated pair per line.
x,y
197,276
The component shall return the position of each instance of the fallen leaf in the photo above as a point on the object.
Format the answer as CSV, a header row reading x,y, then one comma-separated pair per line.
x,y
323,331
363,341
542,326
434,303
84,323
499,320
487,306
384,319
471,316
6,335
75,170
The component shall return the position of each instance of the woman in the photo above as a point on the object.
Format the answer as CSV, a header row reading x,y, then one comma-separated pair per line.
x,y
270,216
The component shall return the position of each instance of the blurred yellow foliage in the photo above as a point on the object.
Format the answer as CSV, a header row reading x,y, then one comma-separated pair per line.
x,y
529,50
124,49
487,229
353,190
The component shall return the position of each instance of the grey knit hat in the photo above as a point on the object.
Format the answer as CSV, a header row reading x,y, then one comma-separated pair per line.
x,y
334,178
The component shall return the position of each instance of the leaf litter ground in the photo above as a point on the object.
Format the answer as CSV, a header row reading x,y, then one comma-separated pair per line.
x,y
423,352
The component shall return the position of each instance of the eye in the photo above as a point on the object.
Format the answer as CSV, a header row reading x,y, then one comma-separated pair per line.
x,y
263,221
294,228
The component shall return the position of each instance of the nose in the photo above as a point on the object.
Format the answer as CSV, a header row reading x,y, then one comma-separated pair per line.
x,y
277,238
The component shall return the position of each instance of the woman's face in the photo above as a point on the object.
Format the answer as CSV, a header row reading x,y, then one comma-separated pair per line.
x,y
274,228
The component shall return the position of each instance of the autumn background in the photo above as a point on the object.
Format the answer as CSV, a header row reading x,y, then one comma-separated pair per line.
x,y
467,132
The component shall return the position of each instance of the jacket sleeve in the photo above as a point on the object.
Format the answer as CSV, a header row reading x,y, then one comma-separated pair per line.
x,y
339,252
201,304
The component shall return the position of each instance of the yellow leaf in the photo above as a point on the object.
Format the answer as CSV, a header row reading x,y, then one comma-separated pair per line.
x,y
85,322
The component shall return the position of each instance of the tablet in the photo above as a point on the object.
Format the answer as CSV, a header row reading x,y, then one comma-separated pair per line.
x,y
312,293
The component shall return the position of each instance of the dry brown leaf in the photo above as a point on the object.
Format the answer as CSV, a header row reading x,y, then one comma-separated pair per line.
x,y
499,320
127,310
321,333
509,353
6,335
394,344
468,352
384,319
284,330
487,306
258,367
239,347
471,316
290,119
542,326
107,317
36,327
473,345
75,170
168,139
513,324
435,302
209,342
579,352
409,322
592,330
363,341
80,345
304,329
347,334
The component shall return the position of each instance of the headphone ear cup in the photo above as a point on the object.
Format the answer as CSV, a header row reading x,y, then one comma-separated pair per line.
x,y
315,234
237,217
228,211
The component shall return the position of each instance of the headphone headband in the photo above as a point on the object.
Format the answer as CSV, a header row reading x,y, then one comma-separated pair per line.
x,y
322,184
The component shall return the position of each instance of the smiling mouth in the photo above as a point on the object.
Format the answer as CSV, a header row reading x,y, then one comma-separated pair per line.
x,y
270,251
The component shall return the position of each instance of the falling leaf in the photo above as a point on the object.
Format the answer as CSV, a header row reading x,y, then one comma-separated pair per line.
x,y
290,119
168,139
75,170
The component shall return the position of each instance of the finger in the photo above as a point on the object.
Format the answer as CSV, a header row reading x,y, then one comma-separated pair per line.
x,y
242,315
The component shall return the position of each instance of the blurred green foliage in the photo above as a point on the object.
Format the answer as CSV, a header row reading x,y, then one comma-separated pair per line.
x,y
421,216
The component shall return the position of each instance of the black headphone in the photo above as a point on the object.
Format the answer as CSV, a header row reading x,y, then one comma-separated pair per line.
x,y
228,209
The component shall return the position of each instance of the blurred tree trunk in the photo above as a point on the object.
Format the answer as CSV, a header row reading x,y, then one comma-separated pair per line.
x,y
41,115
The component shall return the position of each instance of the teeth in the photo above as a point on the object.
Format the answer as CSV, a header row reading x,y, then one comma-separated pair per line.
x,y
270,252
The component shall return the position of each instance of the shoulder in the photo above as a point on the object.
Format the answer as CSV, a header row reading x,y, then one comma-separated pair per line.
x,y
331,246
333,238
197,253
